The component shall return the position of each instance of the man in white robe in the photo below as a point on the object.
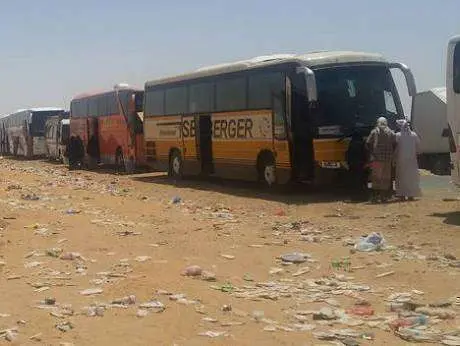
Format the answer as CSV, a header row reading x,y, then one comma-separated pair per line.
x,y
407,174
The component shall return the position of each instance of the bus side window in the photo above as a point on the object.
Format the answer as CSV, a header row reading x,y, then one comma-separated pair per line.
x,y
456,69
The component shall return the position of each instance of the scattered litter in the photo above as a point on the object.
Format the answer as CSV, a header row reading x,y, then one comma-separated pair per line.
x,y
33,264
212,334
70,256
274,271
94,311
193,270
229,257
65,326
49,301
372,242
91,291
153,305
361,310
301,271
54,252
176,200
72,211
451,340
36,337
10,335
384,274
444,314
226,308
14,277
325,314
143,258
142,313
418,335
128,233
128,300
208,276
30,197
295,257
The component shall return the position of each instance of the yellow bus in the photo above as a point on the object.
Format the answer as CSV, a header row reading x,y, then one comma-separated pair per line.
x,y
275,118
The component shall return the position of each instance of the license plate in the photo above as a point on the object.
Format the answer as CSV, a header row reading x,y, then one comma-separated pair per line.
x,y
330,164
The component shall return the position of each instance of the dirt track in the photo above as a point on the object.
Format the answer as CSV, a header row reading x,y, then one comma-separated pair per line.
x,y
131,239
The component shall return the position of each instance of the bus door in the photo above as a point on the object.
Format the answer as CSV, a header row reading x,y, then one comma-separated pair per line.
x,y
302,130
282,113
92,145
204,142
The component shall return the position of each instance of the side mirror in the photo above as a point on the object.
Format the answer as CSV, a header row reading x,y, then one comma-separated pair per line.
x,y
410,80
310,83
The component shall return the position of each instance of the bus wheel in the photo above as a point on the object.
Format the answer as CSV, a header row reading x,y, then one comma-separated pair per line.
x,y
440,167
267,170
175,165
119,161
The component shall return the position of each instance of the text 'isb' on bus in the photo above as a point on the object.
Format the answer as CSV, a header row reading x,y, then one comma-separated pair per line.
x,y
106,128
23,133
274,118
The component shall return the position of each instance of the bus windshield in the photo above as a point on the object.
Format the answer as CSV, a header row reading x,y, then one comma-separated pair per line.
x,y
37,126
355,96
139,101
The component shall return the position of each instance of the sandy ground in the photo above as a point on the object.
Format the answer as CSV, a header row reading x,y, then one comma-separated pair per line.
x,y
131,239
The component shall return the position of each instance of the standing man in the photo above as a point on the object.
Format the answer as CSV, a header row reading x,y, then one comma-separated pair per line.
x,y
407,174
381,144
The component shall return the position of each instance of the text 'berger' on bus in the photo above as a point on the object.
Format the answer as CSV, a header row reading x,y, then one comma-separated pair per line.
x,y
272,118
106,128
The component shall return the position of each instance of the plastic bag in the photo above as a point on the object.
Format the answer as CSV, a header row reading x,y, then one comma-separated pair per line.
x,y
372,242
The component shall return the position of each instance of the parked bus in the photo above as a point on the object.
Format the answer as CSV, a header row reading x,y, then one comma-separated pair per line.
x,y
453,105
107,128
273,118
23,132
57,134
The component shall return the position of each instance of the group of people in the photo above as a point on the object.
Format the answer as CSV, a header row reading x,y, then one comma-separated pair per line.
x,y
390,157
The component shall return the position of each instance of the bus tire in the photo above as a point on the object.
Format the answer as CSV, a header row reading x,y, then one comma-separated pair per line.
x,y
175,165
267,168
440,167
119,161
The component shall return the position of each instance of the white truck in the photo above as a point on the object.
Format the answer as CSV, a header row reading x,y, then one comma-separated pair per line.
x,y
453,105
429,120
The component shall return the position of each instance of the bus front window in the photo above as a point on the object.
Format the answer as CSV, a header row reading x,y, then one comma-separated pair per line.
x,y
139,101
355,96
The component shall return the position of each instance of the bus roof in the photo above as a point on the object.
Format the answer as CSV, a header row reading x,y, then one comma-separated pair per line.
x,y
39,109
310,59
454,39
103,92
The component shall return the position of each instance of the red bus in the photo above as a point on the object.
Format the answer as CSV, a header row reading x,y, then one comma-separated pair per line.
x,y
107,128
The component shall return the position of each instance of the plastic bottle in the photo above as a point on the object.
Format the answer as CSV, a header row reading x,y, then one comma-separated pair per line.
x,y
408,322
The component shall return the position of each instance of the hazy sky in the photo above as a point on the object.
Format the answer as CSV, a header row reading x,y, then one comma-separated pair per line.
x,y
53,49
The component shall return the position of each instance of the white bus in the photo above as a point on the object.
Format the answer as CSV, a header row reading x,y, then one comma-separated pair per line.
x,y
453,104
273,118
23,132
